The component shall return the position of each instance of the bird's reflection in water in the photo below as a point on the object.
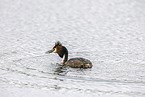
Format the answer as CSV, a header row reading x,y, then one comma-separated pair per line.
x,y
61,69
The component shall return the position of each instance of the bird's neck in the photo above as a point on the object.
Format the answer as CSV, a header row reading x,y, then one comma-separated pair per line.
x,y
65,58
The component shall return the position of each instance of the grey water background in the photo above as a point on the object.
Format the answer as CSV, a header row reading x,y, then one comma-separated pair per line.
x,y
110,33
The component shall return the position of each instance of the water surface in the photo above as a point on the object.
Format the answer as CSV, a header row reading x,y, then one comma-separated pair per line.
x,y
109,33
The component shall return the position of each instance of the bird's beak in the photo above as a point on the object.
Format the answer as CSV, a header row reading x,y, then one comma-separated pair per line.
x,y
50,51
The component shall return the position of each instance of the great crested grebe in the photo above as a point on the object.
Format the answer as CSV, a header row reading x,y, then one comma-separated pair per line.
x,y
73,62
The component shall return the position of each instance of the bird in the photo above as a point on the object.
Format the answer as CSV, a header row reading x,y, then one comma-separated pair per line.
x,y
73,62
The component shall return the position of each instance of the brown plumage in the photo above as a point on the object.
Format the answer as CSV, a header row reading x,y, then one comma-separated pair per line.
x,y
73,62
79,63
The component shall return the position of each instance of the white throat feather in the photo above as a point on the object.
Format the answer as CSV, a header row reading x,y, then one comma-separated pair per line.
x,y
63,58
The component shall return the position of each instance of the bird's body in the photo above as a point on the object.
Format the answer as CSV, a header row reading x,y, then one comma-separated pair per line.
x,y
73,62
79,63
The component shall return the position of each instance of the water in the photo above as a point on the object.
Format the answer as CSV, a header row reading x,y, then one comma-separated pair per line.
x,y
109,33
